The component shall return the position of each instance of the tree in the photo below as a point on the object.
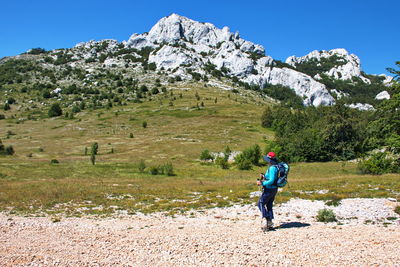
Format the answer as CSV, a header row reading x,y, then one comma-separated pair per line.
x,y
141,166
95,148
6,107
394,71
55,110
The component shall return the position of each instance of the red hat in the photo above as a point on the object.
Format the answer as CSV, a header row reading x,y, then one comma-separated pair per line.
x,y
271,158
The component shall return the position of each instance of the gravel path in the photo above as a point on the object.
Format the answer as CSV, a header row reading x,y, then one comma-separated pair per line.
x,y
227,236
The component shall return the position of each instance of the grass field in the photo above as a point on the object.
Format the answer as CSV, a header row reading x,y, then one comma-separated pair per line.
x,y
178,129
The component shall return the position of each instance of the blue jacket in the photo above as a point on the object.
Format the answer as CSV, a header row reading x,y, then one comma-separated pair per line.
x,y
270,177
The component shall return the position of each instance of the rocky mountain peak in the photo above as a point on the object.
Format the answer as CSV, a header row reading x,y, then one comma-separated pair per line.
x,y
344,66
178,46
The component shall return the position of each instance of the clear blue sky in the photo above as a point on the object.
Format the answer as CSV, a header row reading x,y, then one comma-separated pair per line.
x,y
369,29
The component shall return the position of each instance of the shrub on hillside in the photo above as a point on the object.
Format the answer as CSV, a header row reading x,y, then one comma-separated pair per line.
x,y
55,110
242,162
326,215
222,162
206,155
250,156
141,166
6,150
167,169
379,163
153,170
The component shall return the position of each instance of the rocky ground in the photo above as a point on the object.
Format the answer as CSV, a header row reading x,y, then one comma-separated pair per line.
x,y
221,236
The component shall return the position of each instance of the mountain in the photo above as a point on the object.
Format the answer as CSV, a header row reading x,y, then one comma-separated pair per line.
x,y
183,49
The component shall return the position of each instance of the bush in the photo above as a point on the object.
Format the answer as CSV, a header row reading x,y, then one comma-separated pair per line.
x,y
141,166
144,124
55,110
54,161
379,163
242,162
2,117
6,106
222,162
153,170
397,210
206,155
326,215
9,150
95,148
253,154
167,169
227,153
36,51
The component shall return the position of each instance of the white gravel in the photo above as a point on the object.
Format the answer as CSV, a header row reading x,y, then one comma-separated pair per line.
x,y
220,236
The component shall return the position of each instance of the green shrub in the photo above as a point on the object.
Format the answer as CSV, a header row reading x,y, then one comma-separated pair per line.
x,y
227,153
141,166
242,162
95,148
55,110
222,162
6,106
326,215
167,169
253,154
144,124
54,161
206,155
379,163
6,150
153,170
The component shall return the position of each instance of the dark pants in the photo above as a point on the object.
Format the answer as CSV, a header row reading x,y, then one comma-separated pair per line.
x,y
265,202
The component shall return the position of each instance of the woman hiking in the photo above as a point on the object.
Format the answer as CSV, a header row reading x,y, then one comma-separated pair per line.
x,y
268,181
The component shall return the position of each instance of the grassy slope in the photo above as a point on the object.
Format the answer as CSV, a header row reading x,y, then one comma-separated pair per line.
x,y
174,134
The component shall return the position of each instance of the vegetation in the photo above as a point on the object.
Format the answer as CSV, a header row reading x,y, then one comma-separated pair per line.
x,y
284,94
317,134
326,215
314,66
112,104
55,110
206,155
6,150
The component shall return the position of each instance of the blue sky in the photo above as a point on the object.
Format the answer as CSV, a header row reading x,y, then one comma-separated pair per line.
x,y
369,29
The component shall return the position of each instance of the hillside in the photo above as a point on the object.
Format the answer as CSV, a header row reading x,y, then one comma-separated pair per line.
x,y
175,49
148,111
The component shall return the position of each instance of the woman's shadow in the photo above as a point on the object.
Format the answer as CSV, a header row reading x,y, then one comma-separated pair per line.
x,y
290,225
293,225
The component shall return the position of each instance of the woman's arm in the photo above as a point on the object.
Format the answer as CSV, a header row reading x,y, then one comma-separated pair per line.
x,y
270,176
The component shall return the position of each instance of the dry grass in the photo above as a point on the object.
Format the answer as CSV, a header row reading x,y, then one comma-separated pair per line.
x,y
175,134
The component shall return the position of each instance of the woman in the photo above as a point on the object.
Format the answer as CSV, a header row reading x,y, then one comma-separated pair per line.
x,y
269,190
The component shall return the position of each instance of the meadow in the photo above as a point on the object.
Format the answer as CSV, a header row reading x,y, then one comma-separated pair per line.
x,y
181,123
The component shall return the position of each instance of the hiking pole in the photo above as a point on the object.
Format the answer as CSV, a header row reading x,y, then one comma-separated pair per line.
x,y
261,178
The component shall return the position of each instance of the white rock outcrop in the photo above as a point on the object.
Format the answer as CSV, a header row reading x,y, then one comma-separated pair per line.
x,y
362,107
182,43
350,64
382,95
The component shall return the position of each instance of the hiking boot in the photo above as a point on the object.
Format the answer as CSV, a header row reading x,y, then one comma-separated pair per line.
x,y
269,224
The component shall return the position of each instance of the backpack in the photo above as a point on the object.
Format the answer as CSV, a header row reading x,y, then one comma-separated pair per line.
x,y
283,171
